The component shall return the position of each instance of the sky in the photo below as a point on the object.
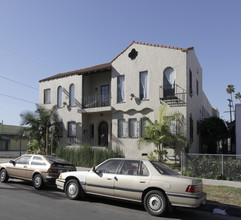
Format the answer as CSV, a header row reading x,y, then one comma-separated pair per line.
x,y
41,38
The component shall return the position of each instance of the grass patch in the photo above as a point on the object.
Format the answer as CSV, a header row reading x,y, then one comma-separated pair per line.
x,y
223,194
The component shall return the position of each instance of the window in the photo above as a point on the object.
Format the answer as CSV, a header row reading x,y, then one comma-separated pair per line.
x,y
197,87
133,128
190,83
47,99
144,85
105,95
130,168
59,126
38,161
121,89
169,82
109,166
72,95
59,97
121,128
143,124
23,160
72,129
191,129
173,127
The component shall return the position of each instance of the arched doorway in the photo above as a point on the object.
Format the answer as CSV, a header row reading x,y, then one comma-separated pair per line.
x,y
103,133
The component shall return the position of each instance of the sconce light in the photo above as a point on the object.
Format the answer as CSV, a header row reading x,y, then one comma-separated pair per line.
x,y
132,96
64,104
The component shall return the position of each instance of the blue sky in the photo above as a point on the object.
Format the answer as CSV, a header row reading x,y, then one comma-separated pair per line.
x,y
44,37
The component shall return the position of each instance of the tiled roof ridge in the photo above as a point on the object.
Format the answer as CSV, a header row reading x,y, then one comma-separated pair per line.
x,y
79,71
169,47
154,45
108,64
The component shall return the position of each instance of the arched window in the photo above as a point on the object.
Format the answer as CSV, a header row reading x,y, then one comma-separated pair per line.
x,y
72,95
169,80
59,97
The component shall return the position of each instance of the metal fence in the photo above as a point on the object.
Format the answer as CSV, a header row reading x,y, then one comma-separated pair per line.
x,y
212,166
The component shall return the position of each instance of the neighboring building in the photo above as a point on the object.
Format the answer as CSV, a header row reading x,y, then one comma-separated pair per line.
x,y
103,105
238,128
9,141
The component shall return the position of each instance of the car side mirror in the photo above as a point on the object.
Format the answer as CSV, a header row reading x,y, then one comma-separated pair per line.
x,y
13,162
98,172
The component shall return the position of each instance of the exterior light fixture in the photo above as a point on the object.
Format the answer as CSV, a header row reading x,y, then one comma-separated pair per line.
x,y
64,104
132,96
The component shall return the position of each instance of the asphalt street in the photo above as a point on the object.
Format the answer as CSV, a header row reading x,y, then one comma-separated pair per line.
x,y
19,200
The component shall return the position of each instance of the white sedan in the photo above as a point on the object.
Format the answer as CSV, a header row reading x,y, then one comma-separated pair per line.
x,y
149,182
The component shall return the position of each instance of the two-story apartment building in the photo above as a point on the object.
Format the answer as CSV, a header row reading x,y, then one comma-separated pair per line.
x,y
103,105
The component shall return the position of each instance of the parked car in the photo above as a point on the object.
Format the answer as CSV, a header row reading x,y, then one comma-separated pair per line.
x,y
39,169
151,183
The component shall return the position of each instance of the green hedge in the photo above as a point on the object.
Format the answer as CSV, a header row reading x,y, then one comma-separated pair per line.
x,y
86,156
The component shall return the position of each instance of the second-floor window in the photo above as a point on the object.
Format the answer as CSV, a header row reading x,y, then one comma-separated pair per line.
x,y
121,89
144,85
72,95
47,98
59,97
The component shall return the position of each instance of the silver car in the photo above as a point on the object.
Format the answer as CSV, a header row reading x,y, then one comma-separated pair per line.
x,y
151,183
40,169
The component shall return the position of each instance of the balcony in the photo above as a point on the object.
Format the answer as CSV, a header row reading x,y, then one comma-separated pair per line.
x,y
173,95
96,101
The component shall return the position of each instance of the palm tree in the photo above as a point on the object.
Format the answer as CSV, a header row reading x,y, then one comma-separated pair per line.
x,y
159,133
230,90
238,96
38,124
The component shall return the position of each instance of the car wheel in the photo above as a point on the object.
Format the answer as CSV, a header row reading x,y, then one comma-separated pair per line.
x,y
37,181
155,203
4,176
73,189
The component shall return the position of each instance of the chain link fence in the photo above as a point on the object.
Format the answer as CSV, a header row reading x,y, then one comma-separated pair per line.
x,y
212,166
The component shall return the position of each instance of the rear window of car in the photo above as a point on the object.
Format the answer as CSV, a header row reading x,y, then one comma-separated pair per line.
x,y
163,169
58,162
38,161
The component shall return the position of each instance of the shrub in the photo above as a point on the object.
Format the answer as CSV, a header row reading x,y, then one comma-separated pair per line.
x,y
86,156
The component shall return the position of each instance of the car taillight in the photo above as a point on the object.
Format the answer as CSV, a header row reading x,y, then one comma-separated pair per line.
x,y
52,171
194,189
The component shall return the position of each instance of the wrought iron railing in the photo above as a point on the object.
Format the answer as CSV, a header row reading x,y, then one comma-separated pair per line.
x,y
94,101
173,93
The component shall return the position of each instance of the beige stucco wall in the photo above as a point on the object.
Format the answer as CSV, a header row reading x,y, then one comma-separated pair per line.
x,y
152,59
66,113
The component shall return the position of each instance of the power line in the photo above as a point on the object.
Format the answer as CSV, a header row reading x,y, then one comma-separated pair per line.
x,y
19,99
19,83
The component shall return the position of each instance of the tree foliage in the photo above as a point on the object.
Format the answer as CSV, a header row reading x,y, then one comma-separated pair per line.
x,y
159,133
212,130
37,126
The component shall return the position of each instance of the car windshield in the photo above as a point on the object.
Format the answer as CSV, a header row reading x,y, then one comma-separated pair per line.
x,y
163,169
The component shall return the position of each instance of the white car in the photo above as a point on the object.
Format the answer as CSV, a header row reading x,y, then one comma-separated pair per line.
x,y
149,182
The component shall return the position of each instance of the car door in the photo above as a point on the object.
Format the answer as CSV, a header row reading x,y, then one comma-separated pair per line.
x,y
101,180
132,179
19,167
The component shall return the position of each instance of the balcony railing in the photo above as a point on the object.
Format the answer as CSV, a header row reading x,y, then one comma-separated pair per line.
x,y
173,95
95,101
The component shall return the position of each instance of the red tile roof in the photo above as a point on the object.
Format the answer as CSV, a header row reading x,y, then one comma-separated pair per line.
x,y
96,68
108,66
154,45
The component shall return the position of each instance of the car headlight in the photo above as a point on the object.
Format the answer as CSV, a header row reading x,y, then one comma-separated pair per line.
x,y
60,176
